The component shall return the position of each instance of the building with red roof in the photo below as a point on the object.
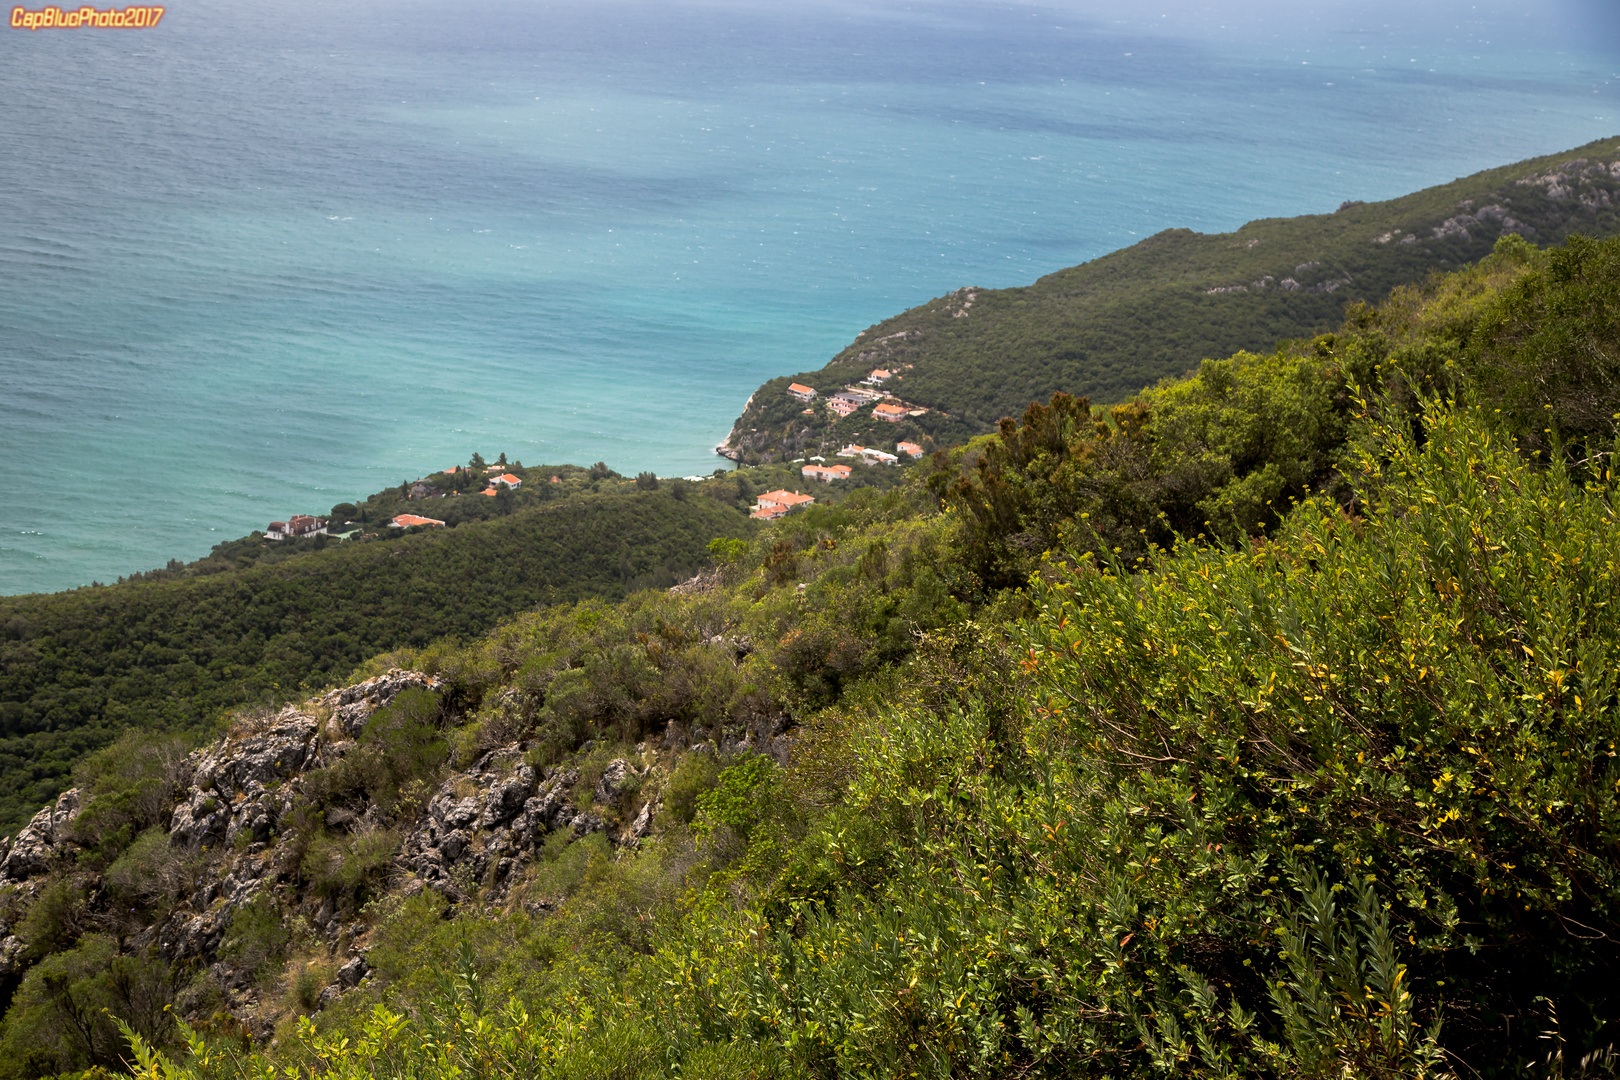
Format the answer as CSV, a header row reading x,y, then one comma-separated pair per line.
x,y
773,504
826,473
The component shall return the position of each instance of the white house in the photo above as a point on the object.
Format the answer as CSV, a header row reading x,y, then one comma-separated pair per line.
x,y
299,525
826,473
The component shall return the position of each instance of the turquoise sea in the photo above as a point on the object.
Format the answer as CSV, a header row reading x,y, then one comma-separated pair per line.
x,y
268,257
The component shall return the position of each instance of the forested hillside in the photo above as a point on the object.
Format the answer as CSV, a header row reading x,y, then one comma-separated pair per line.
x,y
1263,725
1107,328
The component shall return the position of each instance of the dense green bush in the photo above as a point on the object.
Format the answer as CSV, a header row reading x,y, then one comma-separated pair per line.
x,y
258,938
62,1018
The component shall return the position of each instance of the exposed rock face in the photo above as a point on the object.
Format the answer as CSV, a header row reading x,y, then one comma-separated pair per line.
x,y
199,932
612,780
704,581
11,952
353,705
480,830
36,847
241,783
485,825
350,974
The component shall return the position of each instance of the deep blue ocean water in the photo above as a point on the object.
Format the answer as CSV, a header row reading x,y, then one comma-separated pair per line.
x,y
269,257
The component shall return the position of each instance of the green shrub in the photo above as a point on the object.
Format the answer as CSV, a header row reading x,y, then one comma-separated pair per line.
x,y
306,981
566,864
740,795
128,787
351,865
258,936
694,775
62,1018
57,917
399,755
151,872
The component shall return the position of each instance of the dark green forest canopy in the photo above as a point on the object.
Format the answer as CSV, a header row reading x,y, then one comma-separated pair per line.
x,y
79,667
1107,328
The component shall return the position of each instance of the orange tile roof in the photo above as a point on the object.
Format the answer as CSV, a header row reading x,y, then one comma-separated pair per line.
x,y
786,498
405,521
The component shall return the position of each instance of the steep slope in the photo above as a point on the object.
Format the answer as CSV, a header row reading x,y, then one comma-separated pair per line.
x,y
1109,327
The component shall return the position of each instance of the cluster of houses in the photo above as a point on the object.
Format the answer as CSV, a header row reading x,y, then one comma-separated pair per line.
x,y
493,485
423,490
302,525
505,480
850,399
826,473
819,470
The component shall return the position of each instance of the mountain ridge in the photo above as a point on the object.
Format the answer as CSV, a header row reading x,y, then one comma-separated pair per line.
x,y
1109,327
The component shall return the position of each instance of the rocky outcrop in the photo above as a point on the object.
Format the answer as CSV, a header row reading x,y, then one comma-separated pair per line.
x,y
486,825
11,956
198,931
40,843
241,784
241,827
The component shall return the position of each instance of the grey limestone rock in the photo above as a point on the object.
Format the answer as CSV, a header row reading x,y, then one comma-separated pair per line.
x,y
454,813
200,817
585,824
350,974
612,780
274,754
11,956
507,798
353,705
38,843
453,843
641,826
